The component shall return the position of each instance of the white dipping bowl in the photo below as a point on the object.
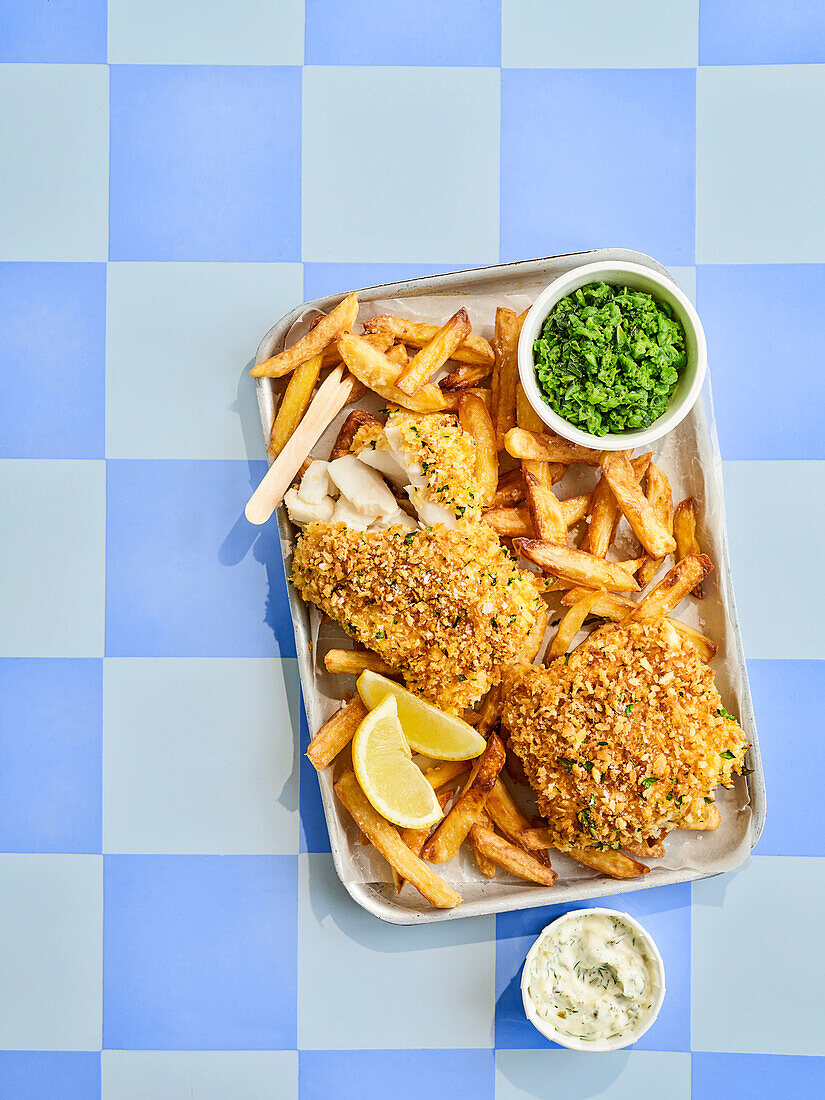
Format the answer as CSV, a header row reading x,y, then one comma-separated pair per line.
x,y
691,377
595,1045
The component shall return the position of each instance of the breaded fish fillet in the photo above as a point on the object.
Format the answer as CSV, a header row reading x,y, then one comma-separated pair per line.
x,y
624,740
446,608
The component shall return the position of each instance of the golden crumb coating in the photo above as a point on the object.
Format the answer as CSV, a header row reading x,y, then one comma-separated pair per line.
x,y
625,739
439,446
446,608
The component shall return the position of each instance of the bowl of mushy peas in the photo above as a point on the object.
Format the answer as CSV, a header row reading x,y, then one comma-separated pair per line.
x,y
612,355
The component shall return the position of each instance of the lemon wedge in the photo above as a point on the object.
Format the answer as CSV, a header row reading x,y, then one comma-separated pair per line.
x,y
428,730
383,764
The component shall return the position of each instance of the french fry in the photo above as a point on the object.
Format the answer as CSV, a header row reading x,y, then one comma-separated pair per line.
x,y
509,491
414,839
448,835
504,812
475,420
526,415
465,376
439,775
490,710
359,418
474,350
658,492
639,513
571,624
358,391
575,508
510,522
380,340
545,510
336,733
399,355
520,443
505,372
604,514
435,353
508,856
293,404
616,608
316,340
484,864
352,662
576,565
386,839
684,530
647,849
377,372
672,588
532,643
609,862
536,839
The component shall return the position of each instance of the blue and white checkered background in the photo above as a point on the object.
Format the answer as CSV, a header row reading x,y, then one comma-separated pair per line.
x,y
176,175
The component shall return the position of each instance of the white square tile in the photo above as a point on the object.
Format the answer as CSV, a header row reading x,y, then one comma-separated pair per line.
x,y
401,164
589,34
759,138
622,1075
757,973
180,338
52,545
54,187
685,278
190,32
200,755
402,987
767,504
51,952
199,1075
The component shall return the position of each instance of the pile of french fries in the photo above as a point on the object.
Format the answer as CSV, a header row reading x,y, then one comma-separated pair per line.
x,y
428,368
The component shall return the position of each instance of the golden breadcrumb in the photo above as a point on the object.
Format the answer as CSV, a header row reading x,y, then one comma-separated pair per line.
x,y
446,608
445,453
624,739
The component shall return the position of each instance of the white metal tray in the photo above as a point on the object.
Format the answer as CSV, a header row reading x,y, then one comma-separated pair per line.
x,y
695,436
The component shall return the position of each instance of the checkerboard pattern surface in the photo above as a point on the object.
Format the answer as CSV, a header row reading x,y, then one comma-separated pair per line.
x,y
178,174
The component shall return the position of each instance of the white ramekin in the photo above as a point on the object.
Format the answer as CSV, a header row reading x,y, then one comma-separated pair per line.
x,y
691,377
599,1045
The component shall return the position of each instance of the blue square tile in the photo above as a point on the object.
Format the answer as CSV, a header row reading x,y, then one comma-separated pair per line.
x,y
36,30
205,163
757,316
403,987
626,177
51,928
761,32
622,1075
314,833
759,919
200,755
365,207
635,34
407,32
786,699
323,279
189,32
199,1075
200,952
53,402
757,1076
54,187
760,129
44,1075
52,580
180,340
51,749
363,1074
664,912
186,575
790,627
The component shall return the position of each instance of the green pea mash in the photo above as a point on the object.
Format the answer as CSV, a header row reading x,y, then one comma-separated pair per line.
x,y
608,358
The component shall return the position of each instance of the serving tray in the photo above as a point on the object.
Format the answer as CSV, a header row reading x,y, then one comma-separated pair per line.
x,y
693,446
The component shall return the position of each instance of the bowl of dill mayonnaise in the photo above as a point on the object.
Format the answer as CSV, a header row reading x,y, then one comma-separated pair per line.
x,y
593,980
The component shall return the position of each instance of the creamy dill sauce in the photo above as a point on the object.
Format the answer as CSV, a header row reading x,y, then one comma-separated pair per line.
x,y
592,978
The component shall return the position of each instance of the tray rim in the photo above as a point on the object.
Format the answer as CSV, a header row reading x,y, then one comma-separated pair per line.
x,y
371,896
